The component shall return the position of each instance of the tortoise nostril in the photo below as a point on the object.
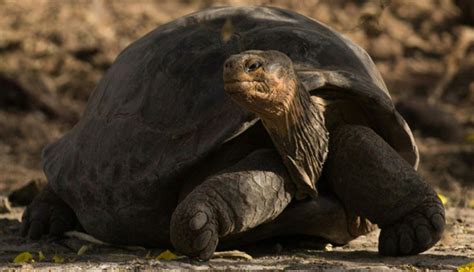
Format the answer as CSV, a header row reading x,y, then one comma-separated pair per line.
x,y
228,65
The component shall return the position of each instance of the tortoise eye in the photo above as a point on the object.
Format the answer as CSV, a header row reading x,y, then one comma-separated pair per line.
x,y
253,66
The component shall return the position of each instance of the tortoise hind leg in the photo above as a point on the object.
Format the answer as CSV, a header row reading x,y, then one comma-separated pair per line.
x,y
373,181
255,190
47,214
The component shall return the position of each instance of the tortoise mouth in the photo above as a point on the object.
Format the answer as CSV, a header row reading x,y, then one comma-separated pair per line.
x,y
236,86
240,86
234,81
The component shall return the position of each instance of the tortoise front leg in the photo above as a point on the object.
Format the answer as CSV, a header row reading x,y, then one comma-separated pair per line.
x,y
47,214
320,217
373,181
254,191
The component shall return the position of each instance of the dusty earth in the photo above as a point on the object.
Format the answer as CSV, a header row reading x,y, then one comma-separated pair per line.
x,y
52,53
454,250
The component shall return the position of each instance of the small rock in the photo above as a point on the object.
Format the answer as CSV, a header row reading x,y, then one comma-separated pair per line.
x,y
328,247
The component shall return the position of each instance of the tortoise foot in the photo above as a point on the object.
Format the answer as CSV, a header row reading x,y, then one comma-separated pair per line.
x,y
380,185
252,192
416,232
47,214
194,231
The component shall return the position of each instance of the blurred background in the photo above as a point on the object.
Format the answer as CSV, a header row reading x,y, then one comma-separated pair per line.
x,y
52,54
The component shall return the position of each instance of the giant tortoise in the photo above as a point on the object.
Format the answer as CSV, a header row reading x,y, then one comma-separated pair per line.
x,y
196,139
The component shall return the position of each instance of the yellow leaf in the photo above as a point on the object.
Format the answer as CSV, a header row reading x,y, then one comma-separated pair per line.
x,y
166,255
470,138
443,199
57,259
469,267
41,256
23,257
470,203
83,250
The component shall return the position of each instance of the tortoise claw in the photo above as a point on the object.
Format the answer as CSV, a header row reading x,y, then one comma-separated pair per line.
x,y
193,232
47,214
414,233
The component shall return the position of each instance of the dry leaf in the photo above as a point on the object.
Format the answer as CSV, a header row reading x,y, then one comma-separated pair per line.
x,y
83,250
84,237
443,199
41,256
166,255
232,254
23,257
57,259
469,267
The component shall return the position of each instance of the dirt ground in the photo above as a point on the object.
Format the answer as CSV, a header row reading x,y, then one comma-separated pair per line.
x,y
455,249
52,53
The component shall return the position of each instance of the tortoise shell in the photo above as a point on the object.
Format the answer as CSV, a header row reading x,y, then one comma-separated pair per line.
x,y
161,107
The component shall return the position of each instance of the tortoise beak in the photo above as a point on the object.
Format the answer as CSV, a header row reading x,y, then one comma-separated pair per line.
x,y
242,67
233,68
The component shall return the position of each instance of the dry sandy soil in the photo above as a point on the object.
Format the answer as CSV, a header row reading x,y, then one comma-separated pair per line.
x,y
52,53
455,249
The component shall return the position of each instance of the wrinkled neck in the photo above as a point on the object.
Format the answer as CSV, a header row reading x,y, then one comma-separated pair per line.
x,y
301,138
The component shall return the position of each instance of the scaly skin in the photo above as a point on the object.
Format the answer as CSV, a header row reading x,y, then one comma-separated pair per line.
x,y
373,181
369,177
321,217
252,192
265,83
47,214
249,202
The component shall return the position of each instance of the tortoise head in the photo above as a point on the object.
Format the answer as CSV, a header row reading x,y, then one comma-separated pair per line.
x,y
263,82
